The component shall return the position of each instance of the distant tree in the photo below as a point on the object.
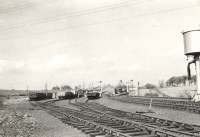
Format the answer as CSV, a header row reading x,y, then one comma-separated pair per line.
x,y
184,79
56,88
161,84
180,80
76,87
149,86
177,81
171,81
66,87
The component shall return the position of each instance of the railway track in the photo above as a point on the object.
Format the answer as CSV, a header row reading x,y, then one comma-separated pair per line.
x,y
98,120
95,124
172,103
153,123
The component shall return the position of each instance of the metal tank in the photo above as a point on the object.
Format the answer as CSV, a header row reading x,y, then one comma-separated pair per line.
x,y
192,42
192,48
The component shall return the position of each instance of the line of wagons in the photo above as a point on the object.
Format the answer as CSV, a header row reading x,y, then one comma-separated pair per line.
x,y
90,94
41,95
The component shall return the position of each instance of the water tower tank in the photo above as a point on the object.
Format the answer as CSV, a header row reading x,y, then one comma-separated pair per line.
x,y
192,42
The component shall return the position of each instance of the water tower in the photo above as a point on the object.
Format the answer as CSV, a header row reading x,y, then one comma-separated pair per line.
x,y
192,51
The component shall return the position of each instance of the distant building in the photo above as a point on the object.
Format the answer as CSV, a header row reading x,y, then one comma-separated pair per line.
x,y
61,94
133,91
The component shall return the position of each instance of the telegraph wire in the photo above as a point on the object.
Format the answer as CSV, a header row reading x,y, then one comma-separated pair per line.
x,y
108,21
23,5
105,6
78,13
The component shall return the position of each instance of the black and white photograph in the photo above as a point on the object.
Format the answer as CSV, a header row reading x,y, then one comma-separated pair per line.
x,y
99,68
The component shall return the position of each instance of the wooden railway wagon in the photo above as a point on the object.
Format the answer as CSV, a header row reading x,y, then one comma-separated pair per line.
x,y
93,94
80,93
49,95
66,95
34,96
121,90
69,95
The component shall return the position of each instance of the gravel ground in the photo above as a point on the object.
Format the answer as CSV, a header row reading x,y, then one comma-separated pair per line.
x,y
52,127
19,119
13,122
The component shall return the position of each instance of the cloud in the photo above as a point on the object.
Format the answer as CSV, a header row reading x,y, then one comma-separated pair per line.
x,y
123,48
64,61
7,64
13,69
57,61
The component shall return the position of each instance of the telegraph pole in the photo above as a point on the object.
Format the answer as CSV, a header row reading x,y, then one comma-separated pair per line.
x,y
138,88
46,89
100,82
127,86
27,89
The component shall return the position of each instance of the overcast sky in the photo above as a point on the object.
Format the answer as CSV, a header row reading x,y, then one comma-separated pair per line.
x,y
67,42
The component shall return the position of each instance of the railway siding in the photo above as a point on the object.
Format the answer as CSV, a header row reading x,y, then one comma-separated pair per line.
x,y
95,119
172,128
182,104
85,121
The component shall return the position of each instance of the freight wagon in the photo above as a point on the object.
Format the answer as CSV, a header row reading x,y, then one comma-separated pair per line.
x,y
66,94
34,96
93,94
121,90
80,93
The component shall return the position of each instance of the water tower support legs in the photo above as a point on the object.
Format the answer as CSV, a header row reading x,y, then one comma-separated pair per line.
x,y
197,94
